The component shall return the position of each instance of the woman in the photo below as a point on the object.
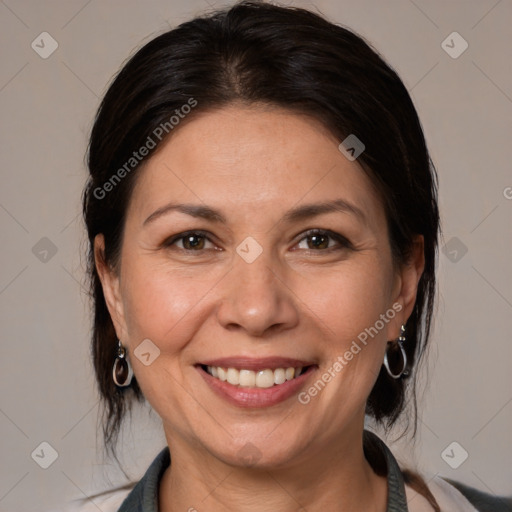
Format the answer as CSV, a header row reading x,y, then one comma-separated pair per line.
x,y
262,217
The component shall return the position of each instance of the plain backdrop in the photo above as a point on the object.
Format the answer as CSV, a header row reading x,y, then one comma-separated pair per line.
x,y
47,106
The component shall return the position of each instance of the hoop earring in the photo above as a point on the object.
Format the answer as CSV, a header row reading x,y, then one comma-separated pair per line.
x,y
122,372
403,372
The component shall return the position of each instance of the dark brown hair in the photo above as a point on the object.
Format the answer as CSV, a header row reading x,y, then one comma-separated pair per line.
x,y
258,53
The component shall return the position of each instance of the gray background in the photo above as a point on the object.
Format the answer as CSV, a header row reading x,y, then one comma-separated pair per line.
x,y
47,106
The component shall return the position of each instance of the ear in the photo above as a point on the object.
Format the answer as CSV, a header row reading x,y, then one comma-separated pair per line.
x,y
406,284
111,288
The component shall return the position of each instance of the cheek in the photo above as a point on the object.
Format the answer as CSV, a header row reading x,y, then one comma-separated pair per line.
x,y
163,303
166,304
351,298
347,305
356,309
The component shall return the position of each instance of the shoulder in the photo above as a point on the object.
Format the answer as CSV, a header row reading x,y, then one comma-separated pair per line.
x,y
456,497
482,501
109,501
130,495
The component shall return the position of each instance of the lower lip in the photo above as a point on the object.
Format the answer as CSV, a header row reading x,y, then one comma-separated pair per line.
x,y
256,397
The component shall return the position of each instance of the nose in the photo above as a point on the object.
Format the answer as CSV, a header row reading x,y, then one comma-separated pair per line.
x,y
257,299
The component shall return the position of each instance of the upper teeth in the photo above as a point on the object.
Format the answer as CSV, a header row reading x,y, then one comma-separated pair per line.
x,y
259,379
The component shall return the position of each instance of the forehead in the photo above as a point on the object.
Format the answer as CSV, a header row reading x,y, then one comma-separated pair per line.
x,y
252,161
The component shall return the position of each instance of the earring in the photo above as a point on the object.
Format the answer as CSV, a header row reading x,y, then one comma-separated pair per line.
x,y
403,372
122,372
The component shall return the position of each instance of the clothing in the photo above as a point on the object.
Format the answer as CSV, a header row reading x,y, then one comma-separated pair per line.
x,y
144,497
451,496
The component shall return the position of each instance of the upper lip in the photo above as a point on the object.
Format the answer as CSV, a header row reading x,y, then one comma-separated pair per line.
x,y
261,363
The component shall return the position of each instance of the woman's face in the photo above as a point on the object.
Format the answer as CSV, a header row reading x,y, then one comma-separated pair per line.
x,y
233,273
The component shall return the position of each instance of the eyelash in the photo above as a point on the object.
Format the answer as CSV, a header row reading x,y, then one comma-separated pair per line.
x,y
344,243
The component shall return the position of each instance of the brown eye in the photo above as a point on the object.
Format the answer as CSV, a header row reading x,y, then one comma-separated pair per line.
x,y
191,241
320,240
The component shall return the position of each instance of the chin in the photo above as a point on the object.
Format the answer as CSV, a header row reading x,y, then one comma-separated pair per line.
x,y
257,453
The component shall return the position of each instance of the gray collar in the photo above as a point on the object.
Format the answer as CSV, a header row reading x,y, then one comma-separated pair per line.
x,y
144,496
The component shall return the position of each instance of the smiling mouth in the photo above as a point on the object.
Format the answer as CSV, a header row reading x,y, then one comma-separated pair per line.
x,y
264,378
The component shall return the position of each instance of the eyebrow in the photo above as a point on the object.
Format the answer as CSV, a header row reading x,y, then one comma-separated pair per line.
x,y
299,213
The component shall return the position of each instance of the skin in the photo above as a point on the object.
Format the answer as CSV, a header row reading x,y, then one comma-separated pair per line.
x,y
295,300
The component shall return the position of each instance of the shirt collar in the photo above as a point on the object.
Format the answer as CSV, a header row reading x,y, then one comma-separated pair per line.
x,y
144,496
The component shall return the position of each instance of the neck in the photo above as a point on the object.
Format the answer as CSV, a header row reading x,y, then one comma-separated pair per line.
x,y
336,478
